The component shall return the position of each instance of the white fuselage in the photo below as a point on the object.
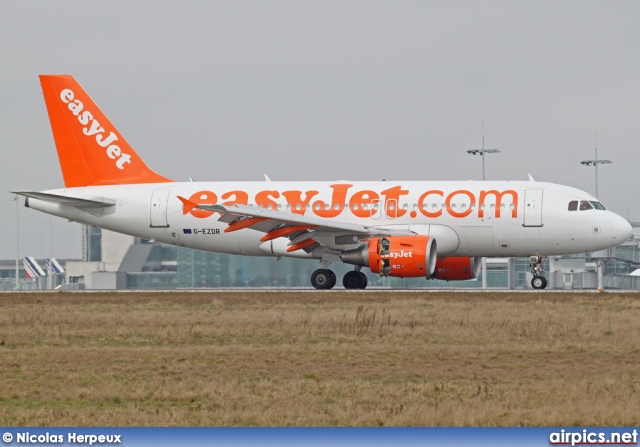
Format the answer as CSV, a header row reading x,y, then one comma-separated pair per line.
x,y
466,218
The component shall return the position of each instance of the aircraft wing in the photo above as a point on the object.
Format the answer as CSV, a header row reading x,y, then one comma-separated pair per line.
x,y
304,232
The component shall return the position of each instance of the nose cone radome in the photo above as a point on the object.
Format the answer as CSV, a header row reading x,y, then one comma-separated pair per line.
x,y
620,229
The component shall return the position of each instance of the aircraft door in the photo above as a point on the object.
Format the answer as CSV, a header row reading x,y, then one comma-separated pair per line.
x,y
533,208
159,200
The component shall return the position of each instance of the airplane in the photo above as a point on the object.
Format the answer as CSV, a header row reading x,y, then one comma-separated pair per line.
x,y
429,229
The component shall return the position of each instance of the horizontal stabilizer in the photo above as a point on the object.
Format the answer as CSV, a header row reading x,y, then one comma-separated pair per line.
x,y
66,200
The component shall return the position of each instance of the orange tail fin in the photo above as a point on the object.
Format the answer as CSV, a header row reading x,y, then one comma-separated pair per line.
x,y
90,148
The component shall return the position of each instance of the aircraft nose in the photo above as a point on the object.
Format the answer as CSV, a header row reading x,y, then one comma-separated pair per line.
x,y
620,229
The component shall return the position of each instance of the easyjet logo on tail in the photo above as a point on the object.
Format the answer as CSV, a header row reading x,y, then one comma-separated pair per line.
x,y
94,129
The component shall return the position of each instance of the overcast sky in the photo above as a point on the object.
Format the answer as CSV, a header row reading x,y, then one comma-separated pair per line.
x,y
327,90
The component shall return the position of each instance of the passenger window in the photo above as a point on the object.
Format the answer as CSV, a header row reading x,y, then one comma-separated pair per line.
x,y
585,205
573,206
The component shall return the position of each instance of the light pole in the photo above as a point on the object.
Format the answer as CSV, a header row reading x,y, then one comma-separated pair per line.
x,y
17,242
595,163
481,152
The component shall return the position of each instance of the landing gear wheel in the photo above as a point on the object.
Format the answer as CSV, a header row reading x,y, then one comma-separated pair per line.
x,y
365,281
332,279
351,280
354,280
539,282
323,279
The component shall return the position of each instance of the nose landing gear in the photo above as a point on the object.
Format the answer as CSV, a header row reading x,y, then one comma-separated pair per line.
x,y
538,281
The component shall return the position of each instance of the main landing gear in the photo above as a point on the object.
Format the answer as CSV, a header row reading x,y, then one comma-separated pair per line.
x,y
538,281
355,279
325,279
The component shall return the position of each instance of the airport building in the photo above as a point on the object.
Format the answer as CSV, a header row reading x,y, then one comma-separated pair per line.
x,y
113,261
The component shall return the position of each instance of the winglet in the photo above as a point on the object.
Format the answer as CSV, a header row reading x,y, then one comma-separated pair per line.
x,y
188,205
90,149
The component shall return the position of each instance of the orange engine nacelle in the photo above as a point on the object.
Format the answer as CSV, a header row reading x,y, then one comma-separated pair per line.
x,y
457,269
401,256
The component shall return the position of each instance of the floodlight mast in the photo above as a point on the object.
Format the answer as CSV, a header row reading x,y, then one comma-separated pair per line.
x,y
17,242
481,152
595,164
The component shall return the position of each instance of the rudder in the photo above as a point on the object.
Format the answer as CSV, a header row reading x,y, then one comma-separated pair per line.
x,y
90,149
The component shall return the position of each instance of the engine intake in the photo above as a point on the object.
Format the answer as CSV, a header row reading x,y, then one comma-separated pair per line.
x,y
399,256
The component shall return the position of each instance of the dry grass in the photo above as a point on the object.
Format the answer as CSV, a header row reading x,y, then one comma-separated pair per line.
x,y
308,359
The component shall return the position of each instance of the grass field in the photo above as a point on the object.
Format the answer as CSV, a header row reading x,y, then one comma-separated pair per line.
x,y
319,359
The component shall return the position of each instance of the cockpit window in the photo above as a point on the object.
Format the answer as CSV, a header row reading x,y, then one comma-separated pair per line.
x,y
585,205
